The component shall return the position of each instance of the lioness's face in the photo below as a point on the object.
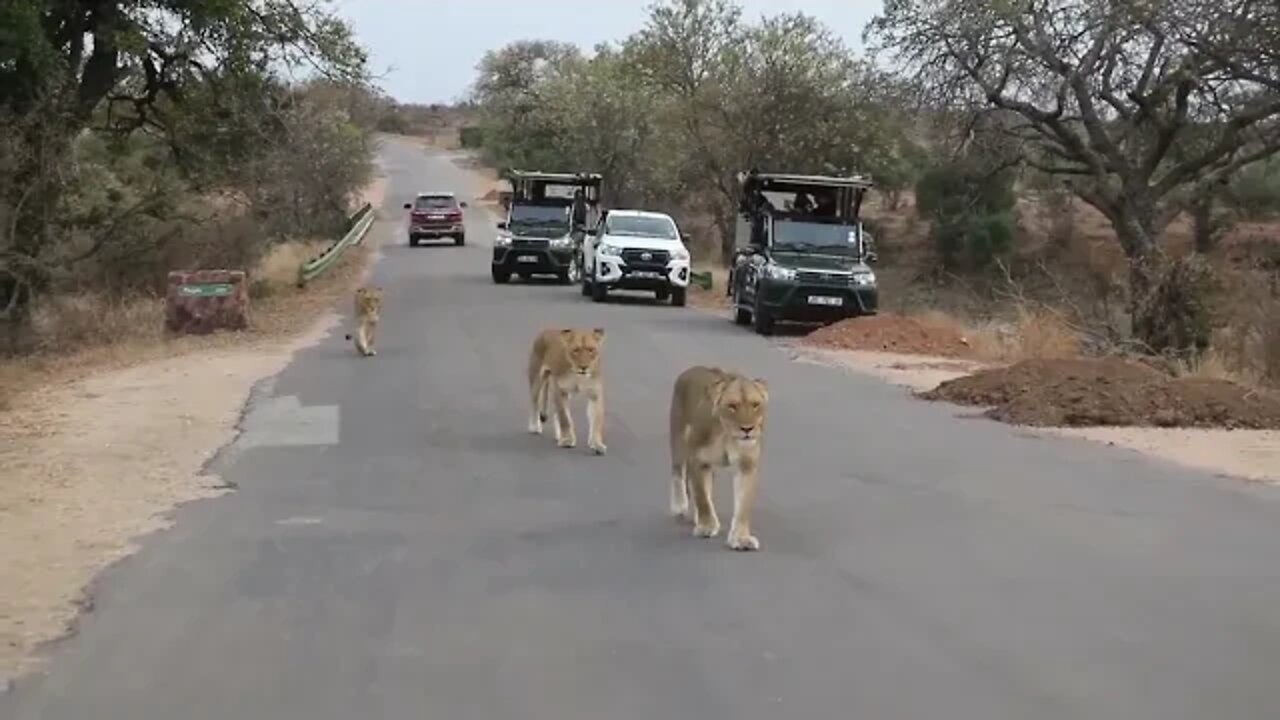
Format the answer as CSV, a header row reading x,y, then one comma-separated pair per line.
x,y
584,349
740,405
370,299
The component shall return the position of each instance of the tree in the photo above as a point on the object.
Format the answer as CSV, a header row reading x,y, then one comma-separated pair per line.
x,y
1114,96
70,66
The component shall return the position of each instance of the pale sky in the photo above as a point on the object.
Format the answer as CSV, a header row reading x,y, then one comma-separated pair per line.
x,y
431,47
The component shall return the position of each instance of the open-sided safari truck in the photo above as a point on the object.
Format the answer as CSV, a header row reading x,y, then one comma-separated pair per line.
x,y
547,216
800,251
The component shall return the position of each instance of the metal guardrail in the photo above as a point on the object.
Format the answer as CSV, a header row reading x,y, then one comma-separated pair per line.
x,y
358,225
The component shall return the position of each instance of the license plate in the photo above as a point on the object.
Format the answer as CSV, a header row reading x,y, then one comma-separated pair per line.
x,y
645,275
435,217
527,258
825,300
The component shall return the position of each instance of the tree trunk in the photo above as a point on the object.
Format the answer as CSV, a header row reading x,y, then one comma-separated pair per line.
x,y
728,241
1167,301
1202,225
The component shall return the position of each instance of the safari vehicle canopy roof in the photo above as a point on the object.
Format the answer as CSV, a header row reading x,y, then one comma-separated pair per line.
x,y
531,185
848,191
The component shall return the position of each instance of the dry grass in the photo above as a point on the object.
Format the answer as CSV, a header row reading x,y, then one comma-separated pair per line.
x,y
81,333
1031,335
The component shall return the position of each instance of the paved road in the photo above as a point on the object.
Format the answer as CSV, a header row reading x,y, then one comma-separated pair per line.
x,y
426,557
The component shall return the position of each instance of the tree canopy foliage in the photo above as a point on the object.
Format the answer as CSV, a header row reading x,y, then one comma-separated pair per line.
x,y
116,114
1142,107
672,113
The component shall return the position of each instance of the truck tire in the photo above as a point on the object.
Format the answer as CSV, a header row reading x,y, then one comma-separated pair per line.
x,y
762,320
500,277
679,296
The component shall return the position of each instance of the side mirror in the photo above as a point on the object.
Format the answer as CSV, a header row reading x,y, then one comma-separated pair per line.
x,y
872,258
462,204
502,225
686,238
408,206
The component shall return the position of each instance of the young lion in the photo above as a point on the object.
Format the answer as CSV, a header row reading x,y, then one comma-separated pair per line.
x,y
717,420
563,363
368,304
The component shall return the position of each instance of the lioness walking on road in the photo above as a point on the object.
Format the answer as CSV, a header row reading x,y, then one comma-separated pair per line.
x,y
565,362
368,304
717,420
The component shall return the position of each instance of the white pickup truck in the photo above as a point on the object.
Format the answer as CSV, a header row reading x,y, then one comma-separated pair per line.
x,y
635,250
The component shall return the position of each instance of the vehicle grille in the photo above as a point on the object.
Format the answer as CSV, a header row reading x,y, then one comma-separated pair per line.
x,y
657,261
810,277
529,244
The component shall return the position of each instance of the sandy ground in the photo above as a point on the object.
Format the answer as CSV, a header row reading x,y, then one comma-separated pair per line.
x,y
1252,455
94,462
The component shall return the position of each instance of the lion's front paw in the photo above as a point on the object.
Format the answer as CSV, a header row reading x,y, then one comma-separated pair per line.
x,y
706,530
567,441
372,352
597,447
743,541
680,510
535,427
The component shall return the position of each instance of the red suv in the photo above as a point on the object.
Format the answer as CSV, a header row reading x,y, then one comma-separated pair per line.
x,y
436,215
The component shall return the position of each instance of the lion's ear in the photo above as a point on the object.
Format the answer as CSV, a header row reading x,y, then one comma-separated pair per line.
x,y
599,333
566,333
763,386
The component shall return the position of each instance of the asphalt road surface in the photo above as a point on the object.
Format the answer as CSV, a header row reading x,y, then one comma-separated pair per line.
x,y
401,547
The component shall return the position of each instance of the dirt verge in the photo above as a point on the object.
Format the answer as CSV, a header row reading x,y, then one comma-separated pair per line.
x,y
931,335
98,447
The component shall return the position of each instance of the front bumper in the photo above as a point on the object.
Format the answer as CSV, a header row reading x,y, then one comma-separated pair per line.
x,y
540,259
618,273
436,230
803,301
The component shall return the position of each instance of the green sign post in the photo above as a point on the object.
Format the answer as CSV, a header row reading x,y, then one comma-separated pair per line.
x,y
206,290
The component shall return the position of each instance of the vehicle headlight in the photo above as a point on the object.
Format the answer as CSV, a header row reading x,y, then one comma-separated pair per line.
x,y
562,242
680,254
777,272
865,278
610,250
501,240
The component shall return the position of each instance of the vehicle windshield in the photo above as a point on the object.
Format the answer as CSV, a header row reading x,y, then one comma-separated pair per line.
x,y
802,236
539,215
641,226
433,202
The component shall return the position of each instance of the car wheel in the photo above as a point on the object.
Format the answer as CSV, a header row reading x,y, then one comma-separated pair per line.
x,y
460,240
762,319
500,276
586,287
599,293
574,273
678,296
413,241
662,294
741,315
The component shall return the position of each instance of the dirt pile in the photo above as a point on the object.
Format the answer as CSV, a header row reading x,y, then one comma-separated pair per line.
x,y
889,332
1109,391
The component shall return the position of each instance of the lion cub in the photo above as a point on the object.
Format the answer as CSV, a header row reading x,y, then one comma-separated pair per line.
x,y
717,420
563,363
368,304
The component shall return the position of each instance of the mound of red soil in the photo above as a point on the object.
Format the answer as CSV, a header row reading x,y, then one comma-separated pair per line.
x,y
1086,392
888,332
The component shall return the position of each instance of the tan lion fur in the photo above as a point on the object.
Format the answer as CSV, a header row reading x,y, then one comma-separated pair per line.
x,y
565,362
368,301
717,421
